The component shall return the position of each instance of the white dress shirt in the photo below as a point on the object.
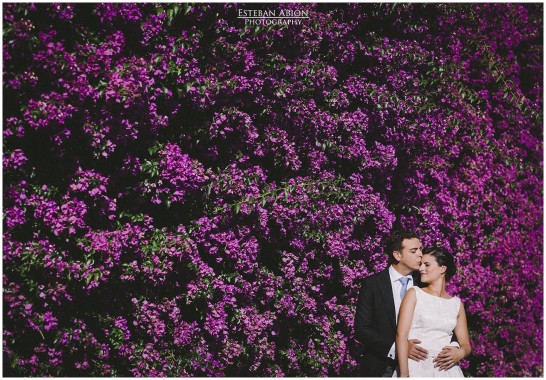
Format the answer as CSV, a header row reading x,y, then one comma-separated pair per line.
x,y
396,289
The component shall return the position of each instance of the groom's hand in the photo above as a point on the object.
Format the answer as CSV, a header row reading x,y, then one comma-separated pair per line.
x,y
448,357
416,352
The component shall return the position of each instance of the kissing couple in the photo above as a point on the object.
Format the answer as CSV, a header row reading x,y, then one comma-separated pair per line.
x,y
407,323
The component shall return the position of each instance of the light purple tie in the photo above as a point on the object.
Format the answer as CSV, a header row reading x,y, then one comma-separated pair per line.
x,y
404,281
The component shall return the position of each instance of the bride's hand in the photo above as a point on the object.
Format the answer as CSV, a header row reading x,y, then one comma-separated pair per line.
x,y
448,357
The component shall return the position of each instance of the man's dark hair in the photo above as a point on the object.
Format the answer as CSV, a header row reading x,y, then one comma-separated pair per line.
x,y
443,257
394,242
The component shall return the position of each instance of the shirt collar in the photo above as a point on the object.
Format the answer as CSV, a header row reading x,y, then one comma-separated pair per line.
x,y
395,276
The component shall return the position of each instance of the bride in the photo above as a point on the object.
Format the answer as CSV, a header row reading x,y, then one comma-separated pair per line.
x,y
431,315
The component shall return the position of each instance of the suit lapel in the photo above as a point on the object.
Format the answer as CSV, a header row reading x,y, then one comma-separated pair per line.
x,y
385,287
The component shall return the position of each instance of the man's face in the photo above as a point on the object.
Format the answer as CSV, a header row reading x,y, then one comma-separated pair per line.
x,y
409,257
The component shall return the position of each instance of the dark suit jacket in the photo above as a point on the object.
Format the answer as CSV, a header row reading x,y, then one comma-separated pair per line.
x,y
375,323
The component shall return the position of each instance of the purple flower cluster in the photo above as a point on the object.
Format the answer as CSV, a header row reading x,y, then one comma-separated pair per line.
x,y
189,195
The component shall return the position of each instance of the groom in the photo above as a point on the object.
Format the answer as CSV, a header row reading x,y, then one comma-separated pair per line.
x,y
378,304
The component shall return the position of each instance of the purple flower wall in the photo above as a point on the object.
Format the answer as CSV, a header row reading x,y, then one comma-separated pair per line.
x,y
185,195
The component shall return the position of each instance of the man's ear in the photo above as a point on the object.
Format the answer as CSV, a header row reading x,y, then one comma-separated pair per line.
x,y
397,255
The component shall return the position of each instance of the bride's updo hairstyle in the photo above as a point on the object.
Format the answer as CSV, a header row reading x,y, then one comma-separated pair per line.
x,y
443,257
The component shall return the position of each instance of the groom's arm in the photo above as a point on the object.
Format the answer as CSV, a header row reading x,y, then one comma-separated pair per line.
x,y
454,342
364,331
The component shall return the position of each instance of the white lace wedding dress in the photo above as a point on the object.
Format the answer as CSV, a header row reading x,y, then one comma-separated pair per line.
x,y
433,322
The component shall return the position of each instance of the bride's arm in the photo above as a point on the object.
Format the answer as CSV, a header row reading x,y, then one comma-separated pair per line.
x,y
461,331
404,323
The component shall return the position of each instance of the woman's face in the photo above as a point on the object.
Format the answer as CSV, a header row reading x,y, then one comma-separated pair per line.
x,y
430,270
